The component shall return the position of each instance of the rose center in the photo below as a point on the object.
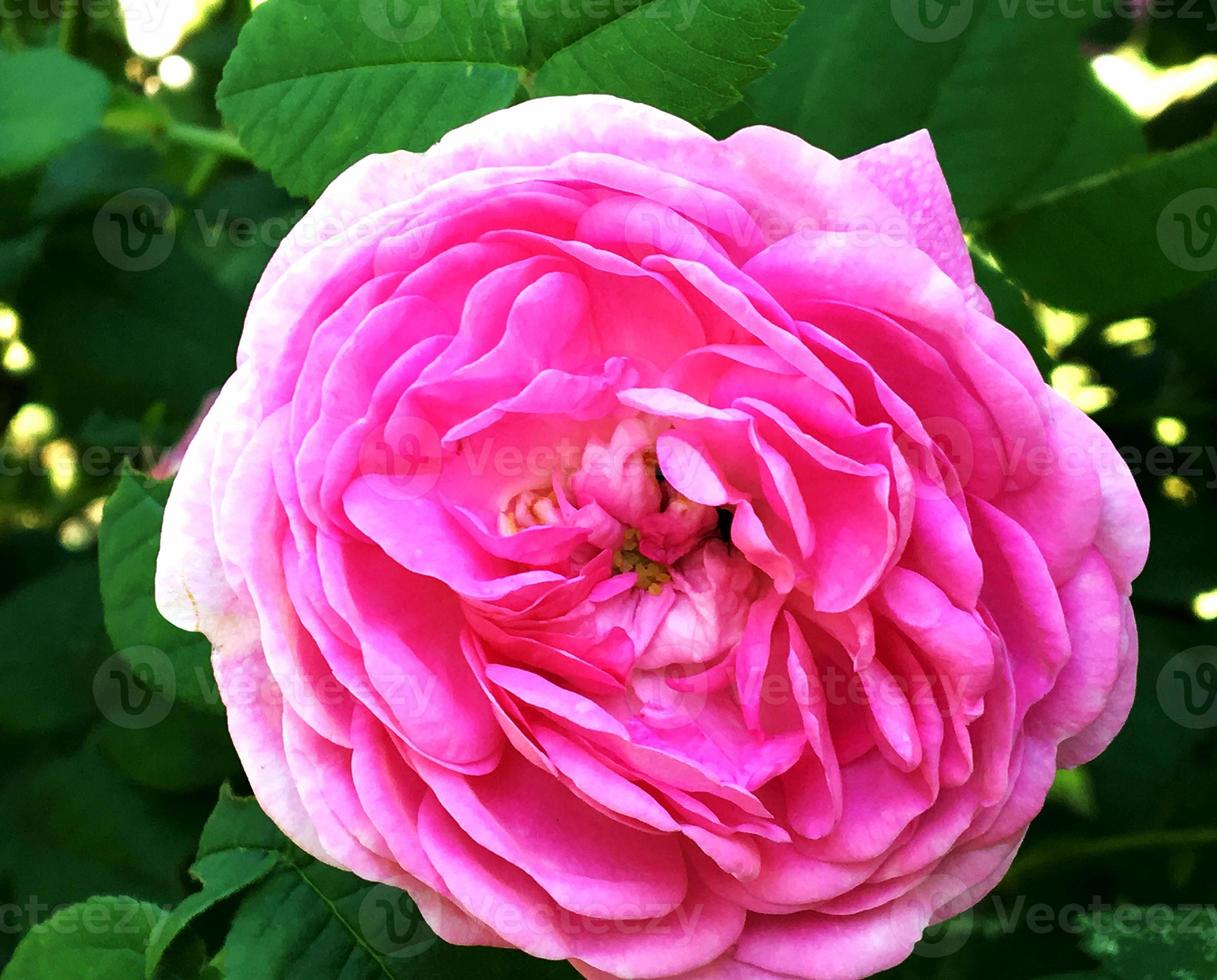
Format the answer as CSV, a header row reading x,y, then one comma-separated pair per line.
x,y
620,495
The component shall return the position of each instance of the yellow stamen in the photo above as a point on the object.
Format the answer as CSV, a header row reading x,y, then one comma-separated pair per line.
x,y
652,576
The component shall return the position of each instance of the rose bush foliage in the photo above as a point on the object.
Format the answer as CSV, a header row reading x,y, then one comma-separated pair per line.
x,y
649,551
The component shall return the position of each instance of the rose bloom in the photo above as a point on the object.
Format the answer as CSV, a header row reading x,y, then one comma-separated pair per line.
x,y
648,551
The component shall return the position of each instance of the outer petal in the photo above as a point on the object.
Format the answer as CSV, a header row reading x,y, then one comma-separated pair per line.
x,y
908,172
191,589
255,722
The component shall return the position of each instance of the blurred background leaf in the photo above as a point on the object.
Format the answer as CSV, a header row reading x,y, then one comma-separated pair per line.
x,y
48,100
1004,91
1139,239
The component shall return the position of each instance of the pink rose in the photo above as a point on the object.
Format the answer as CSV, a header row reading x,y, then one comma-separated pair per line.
x,y
648,551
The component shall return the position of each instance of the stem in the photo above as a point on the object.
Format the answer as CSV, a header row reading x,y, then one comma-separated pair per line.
x,y
203,171
211,141
528,80
1047,856
69,22
202,138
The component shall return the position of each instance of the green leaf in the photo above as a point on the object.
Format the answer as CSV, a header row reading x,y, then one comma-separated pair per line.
x,y
102,938
48,100
1104,135
168,659
313,87
691,59
238,848
305,921
54,641
997,88
552,25
299,917
317,921
1115,243
1145,943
